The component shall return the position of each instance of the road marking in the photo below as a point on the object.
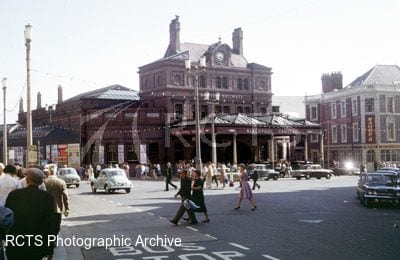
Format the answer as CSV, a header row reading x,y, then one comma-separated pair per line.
x,y
111,201
129,207
162,218
119,203
151,214
270,257
192,228
211,236
311,221
239,246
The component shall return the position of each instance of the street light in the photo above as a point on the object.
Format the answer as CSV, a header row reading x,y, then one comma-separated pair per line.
x,y
5,158
213,141
28,39
193,71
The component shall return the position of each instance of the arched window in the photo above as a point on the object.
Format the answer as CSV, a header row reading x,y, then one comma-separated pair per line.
x,y
224,83
246,83
218,82
240,83
202,81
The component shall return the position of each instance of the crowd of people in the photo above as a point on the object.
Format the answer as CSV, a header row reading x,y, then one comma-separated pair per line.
x,y
32,202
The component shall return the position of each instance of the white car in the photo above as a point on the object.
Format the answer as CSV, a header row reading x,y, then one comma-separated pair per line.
x,y
70,176
110,180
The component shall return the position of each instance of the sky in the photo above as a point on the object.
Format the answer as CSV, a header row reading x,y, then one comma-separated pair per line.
x,y
85,45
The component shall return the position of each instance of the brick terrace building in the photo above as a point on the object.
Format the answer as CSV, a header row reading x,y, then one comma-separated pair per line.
x,y
361,120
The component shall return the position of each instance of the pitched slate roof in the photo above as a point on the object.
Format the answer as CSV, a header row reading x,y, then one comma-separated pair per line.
x,y
110,92
380,74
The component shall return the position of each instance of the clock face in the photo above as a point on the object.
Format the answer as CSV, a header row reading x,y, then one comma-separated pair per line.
x,y
219,57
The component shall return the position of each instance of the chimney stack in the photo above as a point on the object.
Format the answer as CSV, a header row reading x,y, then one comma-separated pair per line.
x,y
237,40
60,98
332,81
174,39
39,101
21,105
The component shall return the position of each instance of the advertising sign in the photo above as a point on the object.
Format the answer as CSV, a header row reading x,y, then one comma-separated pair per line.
x,y
74,157
143,155
370,126
62,155
121,158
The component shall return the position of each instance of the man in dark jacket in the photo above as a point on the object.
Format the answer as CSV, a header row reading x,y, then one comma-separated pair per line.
x,y
33,216
185,193
168,177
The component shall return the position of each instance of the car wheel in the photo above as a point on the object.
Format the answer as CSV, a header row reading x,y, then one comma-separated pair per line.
x,y
77,185
299,178
367,202
128,190
107,189
275,177
328,176
308,176
68,186
93,188
318,178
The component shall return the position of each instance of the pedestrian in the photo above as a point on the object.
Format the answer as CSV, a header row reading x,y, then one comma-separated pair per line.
x,y
214,174
222,178
255,176
168,177
7,182
33,216
198,194
6,221
58,189
185,193
245,190
125,166
90,173
98,169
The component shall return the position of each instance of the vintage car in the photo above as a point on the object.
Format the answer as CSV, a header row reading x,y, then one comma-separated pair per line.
x,y
345,168
70,176
110,180
378,187
262,171
312,171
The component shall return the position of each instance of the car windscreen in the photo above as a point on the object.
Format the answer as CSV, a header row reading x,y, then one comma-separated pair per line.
x,y
386,180
116,173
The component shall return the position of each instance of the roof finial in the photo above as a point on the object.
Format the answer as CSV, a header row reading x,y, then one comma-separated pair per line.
x,y
219,39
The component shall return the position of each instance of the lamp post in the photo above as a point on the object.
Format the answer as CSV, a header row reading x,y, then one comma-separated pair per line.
x,y
28,39
193,71
213,141
5,158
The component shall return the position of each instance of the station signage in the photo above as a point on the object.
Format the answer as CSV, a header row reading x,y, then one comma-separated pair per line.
x,y
370,127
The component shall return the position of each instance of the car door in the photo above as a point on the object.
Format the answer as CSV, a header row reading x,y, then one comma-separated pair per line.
x,y
101,179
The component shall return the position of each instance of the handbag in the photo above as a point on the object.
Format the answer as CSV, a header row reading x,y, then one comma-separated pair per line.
x,y
188,204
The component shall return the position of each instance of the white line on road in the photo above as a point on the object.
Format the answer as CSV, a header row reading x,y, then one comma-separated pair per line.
x,y
192,228
111,201
211,236
151,214
162,218
119,203
270,257
239,246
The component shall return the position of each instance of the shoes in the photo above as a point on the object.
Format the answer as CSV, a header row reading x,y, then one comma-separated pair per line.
x,y
258,186
193,222
173,222
186,219
206,220
237,208
175,188
253,209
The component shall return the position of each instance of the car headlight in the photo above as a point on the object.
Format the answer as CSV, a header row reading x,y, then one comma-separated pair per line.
x,y
375,193
369,192
398,194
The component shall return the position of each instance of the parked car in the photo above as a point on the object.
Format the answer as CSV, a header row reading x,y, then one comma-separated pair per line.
x,y
378,187
70,176
263,172
312,171
390,169
110,180
345,168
